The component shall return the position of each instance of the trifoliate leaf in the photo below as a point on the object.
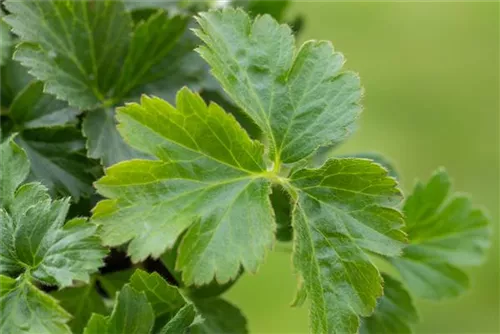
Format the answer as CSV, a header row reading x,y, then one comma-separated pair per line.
x,y
81,302
276,8
219,317
163,297
210,179
445,232
132,314
300,99
395,312
96,60
343,211
181,322
25,309
58,160
103,140
14,168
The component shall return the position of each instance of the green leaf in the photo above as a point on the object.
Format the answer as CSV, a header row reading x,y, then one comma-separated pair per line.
x,y
209,175
103,140
276,8
219,317
58,160
77,61
34,237
5,41
446,232
300,99
132,314
81,302
25,309
280,200
14,168
32,108
395,312
164,298
113,282
181,322
343,210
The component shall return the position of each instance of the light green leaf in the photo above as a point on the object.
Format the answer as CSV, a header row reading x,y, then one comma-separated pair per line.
x,y
181,322
164,298
395,312
58,160
14,168
445,233
96,325
343,210
132,314
32,108
81,302
209,175
219,317
77,61
103,140
300,99
25,309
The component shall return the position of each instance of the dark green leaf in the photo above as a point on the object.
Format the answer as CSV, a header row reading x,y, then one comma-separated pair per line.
x,y
395,312
103,140
181,322
113,282
219,317
81,302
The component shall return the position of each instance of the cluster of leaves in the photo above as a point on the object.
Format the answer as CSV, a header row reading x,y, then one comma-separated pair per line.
x,y
197,194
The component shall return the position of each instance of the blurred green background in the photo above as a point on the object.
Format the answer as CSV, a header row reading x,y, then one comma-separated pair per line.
x,y
431,75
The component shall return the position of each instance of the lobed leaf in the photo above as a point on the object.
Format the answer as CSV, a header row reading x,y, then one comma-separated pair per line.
x,y
209,175
300,99
343,210
445,232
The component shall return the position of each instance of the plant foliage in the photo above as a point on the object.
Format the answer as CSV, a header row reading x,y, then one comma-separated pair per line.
x,y
196,139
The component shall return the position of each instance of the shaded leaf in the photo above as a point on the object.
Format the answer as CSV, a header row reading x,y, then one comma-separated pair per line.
x,y
395,312
219,317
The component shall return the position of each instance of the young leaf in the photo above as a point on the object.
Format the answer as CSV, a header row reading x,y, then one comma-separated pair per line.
x,y
445,232
300,99
132,314
25,309
343,210
103,140
81,64
219,317
395,312
209,175
81,302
